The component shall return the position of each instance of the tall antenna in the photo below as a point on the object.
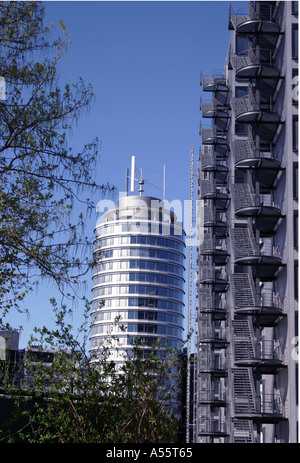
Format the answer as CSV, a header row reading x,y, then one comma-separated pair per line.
x,y
140,179
188,400
126,181
132,173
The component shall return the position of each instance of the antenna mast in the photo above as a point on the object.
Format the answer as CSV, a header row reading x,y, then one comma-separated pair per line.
x,y
132,173
188,400
140,179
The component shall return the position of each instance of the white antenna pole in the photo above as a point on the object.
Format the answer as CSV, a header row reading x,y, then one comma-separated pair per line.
x,y
126,181
132,173
188,380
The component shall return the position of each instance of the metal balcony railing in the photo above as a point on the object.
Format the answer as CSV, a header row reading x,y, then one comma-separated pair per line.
x,y
245,104
269,350
271,404
218,104
257,352
246,150
207,272
256,107
267,405
210,242
210,190
249,13
211,161
211,135
244,196
243,149
251,57
209,333
212,427
209,396
208,362
206,299
213,82
210,214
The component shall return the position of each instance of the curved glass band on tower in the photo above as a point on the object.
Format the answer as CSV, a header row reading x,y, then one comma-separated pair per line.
x,y
138,283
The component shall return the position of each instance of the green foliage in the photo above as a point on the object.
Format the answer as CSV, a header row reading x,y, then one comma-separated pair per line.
x,y
76,398
42,178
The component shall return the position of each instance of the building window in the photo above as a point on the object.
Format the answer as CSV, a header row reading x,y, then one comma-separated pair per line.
x,y
240,129
241,44
295,181
296,279
241,92
296,229
295,41
294,7
295,133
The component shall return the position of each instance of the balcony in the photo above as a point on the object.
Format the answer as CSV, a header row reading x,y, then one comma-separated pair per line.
x,y
265,310
260,20
209,275
257,64
263,357
211,247
208,397
271,408
213,220
210,162
209,190
212,136
209,304
249,205
214,83
268,409
216,109
248,253
211,427
211,363
250,109
210,332
266,167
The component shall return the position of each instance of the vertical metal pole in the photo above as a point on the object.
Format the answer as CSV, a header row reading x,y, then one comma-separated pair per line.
x,y
188,378
126,182
132,173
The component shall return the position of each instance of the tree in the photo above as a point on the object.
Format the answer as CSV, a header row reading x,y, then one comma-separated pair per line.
x,y
41,178
76,398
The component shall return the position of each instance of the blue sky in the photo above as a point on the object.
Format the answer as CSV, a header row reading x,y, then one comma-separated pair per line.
x,y
144,61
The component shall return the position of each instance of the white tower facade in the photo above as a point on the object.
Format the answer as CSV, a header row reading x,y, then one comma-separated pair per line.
x,y
138,283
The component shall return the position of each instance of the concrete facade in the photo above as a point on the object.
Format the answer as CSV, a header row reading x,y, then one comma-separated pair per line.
x,y
247,277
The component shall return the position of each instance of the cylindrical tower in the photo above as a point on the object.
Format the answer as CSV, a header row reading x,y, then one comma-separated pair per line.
x,y
138,283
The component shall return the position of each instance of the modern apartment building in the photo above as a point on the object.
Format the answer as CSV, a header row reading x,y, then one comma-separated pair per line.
x,y
139,277
247,277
